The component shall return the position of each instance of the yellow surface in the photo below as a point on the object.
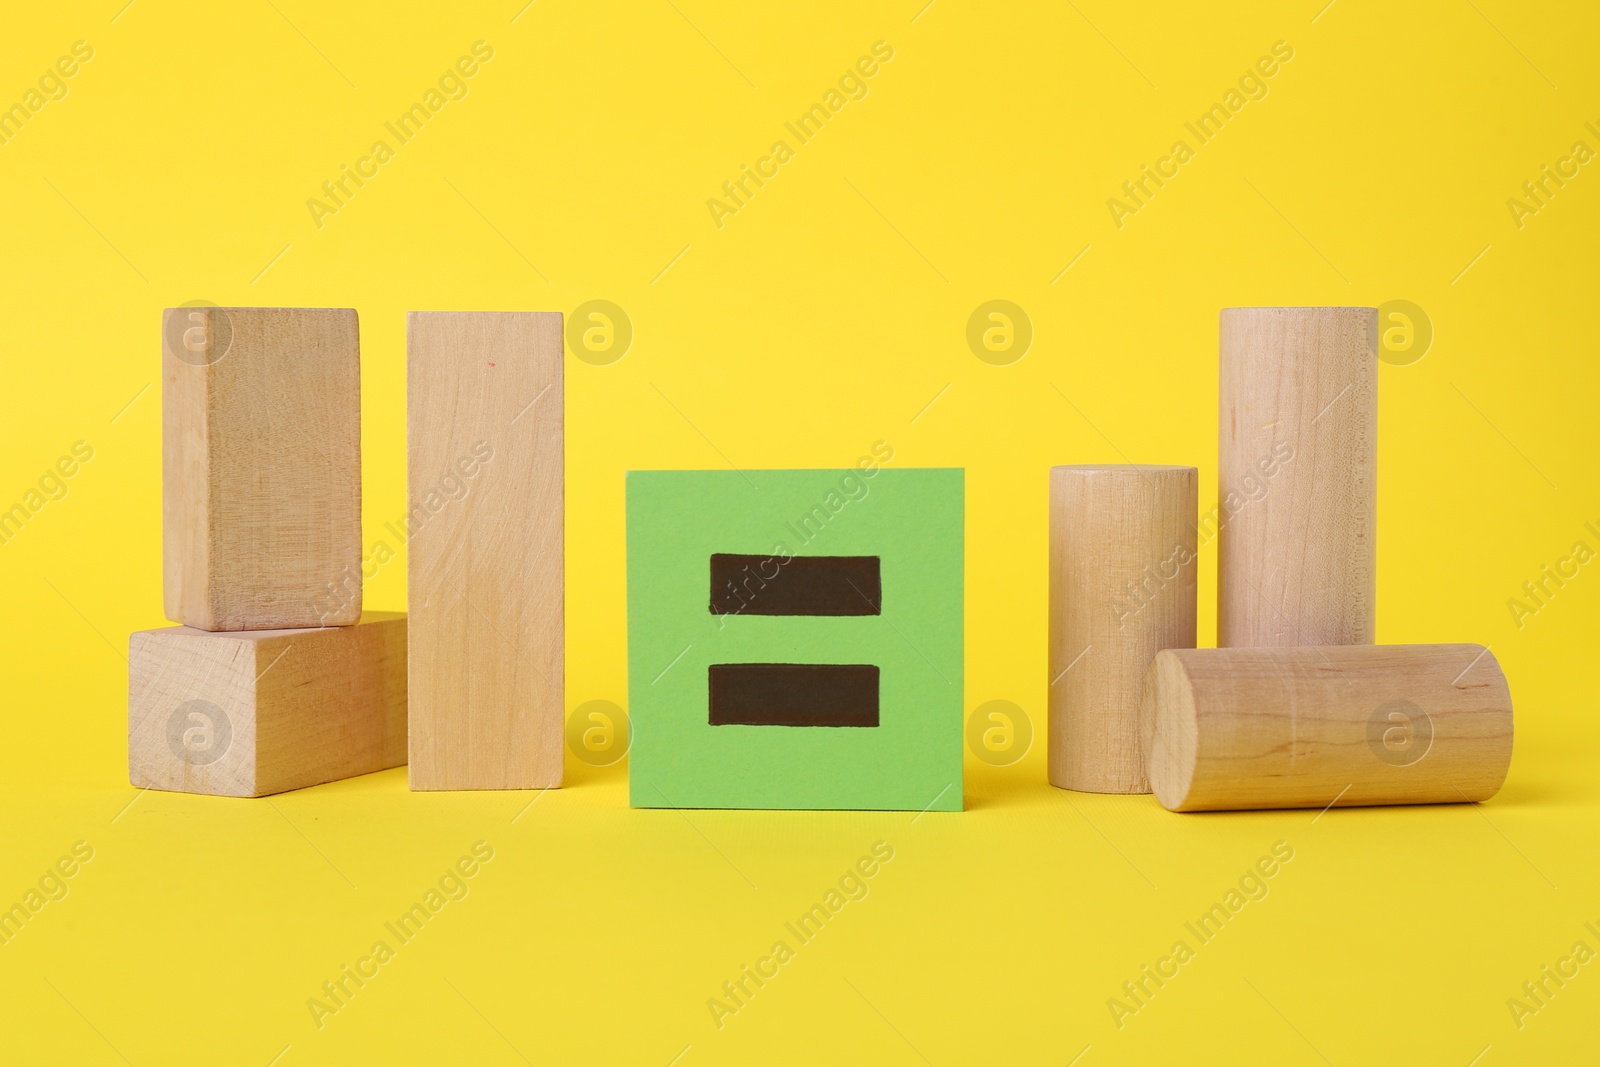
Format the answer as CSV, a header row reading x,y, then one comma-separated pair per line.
x,y
821,317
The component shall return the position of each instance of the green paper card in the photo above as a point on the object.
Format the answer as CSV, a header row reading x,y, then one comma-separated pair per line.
x,y
822,699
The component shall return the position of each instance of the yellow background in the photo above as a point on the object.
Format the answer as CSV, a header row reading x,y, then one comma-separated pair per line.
x,y
822,317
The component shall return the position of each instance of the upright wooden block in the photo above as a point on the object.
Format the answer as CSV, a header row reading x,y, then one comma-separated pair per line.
x,y
484,442
261,467
1122,588
254,712
1313,727
1297,479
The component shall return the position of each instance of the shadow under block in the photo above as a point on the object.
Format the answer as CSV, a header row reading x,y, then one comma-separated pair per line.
x,y
1122,588
1297,486
1310,727
261,467
753,681
484,449
254,712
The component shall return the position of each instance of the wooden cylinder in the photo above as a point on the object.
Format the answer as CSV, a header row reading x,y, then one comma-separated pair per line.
x,y
1317,726
1122,587
1297,486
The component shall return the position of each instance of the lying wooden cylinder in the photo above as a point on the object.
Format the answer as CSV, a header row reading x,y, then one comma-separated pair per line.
x,y
1297,477
1122,588
1315,727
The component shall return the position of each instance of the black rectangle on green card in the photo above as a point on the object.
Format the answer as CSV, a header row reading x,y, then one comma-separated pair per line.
x,y
798,585
793,694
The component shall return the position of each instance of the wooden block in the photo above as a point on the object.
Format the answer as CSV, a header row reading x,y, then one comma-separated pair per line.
x,y
261,467
1297,480
484,440
254,712
1310,727
1122,587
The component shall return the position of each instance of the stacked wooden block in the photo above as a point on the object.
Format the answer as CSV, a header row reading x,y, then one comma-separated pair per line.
x,y
276,679
1297,708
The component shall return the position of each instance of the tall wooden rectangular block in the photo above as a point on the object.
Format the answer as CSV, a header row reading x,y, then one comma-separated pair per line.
x,y
261,467
484,447
254,712
1298,477
1122,588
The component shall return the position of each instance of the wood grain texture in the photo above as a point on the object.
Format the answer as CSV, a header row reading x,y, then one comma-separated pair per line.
x,y
1297,477
254,712
1122,587
261,467
484,444
1311,727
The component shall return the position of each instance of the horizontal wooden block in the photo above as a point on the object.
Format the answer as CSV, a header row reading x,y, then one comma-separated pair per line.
x,y
485,466
254,712
261,467
1314,727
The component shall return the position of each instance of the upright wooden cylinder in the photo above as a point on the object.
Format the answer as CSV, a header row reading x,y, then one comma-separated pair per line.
x,y
1297,477
1122,587
1313,727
